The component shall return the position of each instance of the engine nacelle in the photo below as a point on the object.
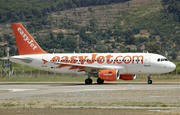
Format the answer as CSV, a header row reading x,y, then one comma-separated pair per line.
x,y
109,74
127,77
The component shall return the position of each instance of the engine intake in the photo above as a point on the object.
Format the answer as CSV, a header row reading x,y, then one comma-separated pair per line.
x,y
109,74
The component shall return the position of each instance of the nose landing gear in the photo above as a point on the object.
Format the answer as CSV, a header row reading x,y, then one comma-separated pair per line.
x,y
149,79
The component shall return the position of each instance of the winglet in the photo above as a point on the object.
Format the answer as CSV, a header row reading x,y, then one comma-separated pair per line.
x,y
25,42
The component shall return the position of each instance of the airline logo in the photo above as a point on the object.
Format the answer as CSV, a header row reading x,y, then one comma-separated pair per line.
x,y
109,59
27,39
110,73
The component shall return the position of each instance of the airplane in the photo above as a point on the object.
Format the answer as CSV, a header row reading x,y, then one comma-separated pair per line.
x,y
104,66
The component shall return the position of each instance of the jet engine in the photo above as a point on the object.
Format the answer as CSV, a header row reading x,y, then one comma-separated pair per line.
x,y
127,76
109,74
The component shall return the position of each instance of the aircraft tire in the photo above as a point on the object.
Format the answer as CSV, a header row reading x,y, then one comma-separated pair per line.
x,y
149,81
88,81
100,81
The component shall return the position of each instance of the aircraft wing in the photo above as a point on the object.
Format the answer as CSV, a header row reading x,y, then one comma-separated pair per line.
x,y
91,68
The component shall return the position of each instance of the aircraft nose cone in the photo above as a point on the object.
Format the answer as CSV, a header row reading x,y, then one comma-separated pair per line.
x,y
172,66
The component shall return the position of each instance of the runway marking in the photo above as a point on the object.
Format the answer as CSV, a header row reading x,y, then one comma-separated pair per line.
x,y
97,90
161,110
16,90
157,96
155,110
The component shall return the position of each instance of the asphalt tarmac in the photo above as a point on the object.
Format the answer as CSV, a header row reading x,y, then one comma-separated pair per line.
x,y
77,98
18,90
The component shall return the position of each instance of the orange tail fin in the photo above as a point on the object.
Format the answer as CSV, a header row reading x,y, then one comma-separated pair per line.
x,y
25,42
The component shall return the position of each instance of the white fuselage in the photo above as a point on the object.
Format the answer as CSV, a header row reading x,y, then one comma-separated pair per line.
x,y
126,63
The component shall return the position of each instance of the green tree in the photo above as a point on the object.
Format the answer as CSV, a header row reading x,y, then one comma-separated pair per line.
x,y
93,22
82,30
113,45
128,4
74,13
0,39
6,37
53,8
74,6
91,10
153,48
79,14
174,55
60,36
129,37
52,37
12,50
71,43
143,39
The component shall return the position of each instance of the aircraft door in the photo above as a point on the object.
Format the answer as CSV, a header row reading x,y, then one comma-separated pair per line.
x,y
147,61
43,63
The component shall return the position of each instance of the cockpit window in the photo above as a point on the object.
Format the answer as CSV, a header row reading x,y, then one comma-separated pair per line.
x,y
162,59
158,59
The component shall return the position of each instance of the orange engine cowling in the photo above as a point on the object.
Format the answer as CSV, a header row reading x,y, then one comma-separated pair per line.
x,y
127,77
109,74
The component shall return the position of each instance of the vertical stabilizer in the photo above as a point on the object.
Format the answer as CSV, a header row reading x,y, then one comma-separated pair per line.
x,y
25,42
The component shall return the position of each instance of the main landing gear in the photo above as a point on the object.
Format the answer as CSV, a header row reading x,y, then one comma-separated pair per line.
x,y
89,81
100,81
149,79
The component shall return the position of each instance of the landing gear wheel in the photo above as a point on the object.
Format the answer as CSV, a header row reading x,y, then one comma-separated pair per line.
x,y
88,81
149,81
100,81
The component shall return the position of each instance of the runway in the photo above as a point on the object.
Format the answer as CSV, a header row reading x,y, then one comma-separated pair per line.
x,y
19,90
158,97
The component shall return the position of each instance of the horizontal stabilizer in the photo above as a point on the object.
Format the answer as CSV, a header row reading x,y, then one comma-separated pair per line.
x,y
4,58
26,60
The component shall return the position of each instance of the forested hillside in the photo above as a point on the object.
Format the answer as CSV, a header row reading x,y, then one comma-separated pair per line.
x,y
28,10
95,26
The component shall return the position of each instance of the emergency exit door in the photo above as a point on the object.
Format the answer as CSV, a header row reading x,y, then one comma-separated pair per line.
x,y
147,62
